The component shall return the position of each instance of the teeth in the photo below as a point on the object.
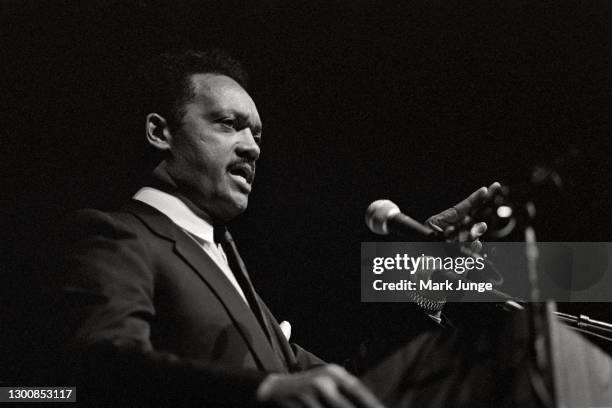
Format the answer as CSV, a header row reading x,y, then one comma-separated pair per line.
x,y
241,172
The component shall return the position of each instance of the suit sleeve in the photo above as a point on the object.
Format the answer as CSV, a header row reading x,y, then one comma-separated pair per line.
x,y
102,287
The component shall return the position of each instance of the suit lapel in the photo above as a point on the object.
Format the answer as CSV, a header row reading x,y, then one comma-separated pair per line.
x,y
187,249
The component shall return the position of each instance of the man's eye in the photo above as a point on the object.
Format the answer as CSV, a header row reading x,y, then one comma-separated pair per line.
x,y
230,123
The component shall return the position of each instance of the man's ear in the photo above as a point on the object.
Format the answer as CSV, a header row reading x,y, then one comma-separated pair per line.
x,y
158,132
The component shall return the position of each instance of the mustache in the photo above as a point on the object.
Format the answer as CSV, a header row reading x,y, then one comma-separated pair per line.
x,y
243,167
248,162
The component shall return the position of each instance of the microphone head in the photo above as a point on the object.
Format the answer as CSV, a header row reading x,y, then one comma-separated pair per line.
x,y
377,215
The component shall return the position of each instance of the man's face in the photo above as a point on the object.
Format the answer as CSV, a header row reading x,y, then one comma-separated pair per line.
x,y
213,153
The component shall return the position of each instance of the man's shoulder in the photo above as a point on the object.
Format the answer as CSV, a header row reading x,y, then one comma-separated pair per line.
x,y
90,219
133,217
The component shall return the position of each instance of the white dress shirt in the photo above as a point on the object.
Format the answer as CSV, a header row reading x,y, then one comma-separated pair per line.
x,y
193,225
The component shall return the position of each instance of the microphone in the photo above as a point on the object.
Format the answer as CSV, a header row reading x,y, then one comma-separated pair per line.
x,y
384,216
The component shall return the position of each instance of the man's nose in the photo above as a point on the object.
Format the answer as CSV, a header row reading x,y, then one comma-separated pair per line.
x,y
247,147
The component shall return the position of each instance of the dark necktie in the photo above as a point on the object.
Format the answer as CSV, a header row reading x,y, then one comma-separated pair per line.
x,y
236,264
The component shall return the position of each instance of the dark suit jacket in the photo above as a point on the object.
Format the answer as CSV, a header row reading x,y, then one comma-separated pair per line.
x,y
142,314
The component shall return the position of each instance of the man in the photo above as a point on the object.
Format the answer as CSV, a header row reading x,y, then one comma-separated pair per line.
x,y
154,305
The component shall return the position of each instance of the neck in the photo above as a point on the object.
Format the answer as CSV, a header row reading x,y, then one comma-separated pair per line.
x,y
162,180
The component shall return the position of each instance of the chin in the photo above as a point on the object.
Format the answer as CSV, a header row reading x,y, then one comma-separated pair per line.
x,y
235,208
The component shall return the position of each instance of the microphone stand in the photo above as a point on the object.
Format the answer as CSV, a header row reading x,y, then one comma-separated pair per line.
x,y
585,324
539,315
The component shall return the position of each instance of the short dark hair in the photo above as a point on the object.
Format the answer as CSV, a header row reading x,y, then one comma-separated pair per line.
x,y
164,84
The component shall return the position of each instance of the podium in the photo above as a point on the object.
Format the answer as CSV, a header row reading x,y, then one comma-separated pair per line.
x,y
487,359
582,372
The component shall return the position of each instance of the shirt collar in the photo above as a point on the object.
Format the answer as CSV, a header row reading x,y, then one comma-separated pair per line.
x,y
177,211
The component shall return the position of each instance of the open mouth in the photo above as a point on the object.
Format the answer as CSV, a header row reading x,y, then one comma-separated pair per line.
x,y
244,170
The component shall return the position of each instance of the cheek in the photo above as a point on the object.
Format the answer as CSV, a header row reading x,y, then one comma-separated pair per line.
x,y
203,160
211,157
200,156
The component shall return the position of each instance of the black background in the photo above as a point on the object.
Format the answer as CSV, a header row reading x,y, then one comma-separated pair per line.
x,y
419,101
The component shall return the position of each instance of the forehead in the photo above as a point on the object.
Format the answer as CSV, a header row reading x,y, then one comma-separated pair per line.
x,y
215,92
